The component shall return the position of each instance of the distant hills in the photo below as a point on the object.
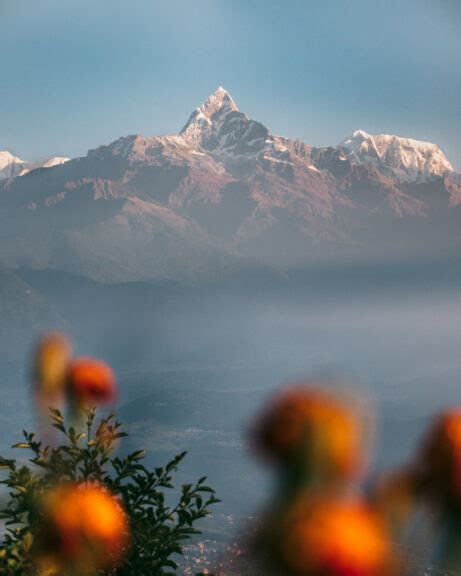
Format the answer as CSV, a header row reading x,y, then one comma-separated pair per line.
x,y
226,195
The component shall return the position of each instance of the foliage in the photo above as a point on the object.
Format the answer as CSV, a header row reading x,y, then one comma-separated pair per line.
x,y
158,529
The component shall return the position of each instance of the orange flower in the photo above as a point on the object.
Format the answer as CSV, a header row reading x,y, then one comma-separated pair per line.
x,y
335,538
85,528
309,425
51,360
438,469
91,381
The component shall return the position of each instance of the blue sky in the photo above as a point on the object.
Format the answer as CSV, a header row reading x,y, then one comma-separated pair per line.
x,y
79,73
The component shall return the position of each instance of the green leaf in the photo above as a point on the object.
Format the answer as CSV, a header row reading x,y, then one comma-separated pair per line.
x,y
138,455
205,489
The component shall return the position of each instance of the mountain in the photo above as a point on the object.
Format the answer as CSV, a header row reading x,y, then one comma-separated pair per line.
x,y
406,159
12,166
225,195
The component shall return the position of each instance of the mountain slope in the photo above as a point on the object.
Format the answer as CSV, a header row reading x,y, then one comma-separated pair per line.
x,y
106,215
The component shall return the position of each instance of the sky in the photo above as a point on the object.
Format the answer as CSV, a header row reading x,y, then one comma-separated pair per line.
x,y
79,73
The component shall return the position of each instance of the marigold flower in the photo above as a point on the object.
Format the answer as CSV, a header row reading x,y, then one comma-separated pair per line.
x,y
310,425
51,360
85,528
438,468
91,381
335,538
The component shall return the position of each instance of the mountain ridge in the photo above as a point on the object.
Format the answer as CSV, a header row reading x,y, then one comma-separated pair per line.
x,y
225,193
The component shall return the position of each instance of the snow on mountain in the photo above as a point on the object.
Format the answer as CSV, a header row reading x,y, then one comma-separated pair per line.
x,y
10,166
407,159
54,161
218,127
203,122
49,163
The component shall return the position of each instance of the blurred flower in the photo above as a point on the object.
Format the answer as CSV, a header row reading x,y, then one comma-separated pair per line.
x,y
438,466
312,428
91,382
52,357
335,538
85,529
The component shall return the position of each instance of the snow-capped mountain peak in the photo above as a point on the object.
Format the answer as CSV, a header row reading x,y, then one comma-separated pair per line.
x,y
218,127
10,165
200,124
218,100
6,158
407,159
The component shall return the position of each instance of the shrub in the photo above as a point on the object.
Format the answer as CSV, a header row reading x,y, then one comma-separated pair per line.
x,y
157,529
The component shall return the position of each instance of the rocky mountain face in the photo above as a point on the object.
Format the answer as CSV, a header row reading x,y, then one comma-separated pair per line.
x,y
223,194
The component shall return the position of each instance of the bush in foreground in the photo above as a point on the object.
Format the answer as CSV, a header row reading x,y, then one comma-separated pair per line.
x,y
74,507
154,530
